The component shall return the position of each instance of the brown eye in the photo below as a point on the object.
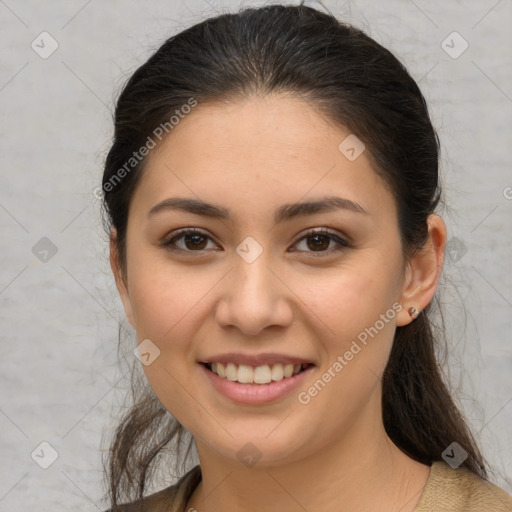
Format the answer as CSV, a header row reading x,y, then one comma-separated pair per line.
x,y
193,241
196,241
318,241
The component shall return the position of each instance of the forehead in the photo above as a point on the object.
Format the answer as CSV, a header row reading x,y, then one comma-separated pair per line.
x,y
256,152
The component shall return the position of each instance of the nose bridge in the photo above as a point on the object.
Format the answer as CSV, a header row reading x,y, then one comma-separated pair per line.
x,y
254,280
254,297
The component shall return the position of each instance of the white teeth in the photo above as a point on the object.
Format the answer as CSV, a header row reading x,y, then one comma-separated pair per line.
x,y
231,371
288,370
277,372
219,370
245,374
260,375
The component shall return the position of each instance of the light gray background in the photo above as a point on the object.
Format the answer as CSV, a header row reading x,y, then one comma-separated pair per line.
x,y
60,379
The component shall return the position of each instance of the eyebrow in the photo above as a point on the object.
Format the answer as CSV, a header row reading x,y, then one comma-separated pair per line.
x,y
284,213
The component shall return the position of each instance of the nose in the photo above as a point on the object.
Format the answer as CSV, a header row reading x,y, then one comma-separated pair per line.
x,y
253,297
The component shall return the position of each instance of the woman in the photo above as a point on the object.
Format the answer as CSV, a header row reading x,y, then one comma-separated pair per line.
x,y
270,194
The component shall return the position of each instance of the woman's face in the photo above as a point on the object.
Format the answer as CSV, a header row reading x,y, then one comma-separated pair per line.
x,y
255,283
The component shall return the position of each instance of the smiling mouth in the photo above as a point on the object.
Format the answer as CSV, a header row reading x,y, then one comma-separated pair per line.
x,y
264,374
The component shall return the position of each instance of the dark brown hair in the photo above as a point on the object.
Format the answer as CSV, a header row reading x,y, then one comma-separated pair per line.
x,y
357,84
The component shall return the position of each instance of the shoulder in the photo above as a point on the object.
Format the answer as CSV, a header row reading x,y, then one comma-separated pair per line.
x,y
453,490
171,499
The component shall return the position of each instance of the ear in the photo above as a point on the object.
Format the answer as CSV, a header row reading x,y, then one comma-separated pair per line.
x,y
423,271
120,278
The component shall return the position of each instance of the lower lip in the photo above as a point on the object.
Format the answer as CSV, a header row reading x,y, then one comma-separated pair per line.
x,y
256,393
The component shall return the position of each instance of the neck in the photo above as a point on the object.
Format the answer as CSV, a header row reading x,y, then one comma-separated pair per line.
x,y
363,471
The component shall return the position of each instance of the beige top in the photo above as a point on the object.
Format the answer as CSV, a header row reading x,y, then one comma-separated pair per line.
x,y
446,490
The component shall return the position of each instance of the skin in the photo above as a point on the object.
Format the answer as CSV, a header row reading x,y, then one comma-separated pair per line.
x,y
252,156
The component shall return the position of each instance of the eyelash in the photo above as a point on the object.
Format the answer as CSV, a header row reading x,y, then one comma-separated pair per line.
x,y
342,244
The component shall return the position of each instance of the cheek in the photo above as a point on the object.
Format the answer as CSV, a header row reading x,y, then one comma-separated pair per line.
x,y
355,306
160,293
168,310
347,300
358,309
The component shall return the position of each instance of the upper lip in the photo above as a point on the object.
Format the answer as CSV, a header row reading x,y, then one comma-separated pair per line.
x,y
256,359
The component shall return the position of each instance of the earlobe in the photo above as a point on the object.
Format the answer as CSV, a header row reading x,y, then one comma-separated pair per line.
x,y
120,278
423,272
